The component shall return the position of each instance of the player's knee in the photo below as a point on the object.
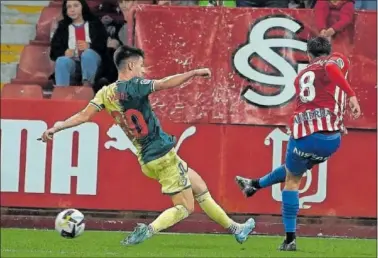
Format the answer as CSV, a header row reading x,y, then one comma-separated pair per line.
x,y
292,181
185,199
183,211
198,184
190,208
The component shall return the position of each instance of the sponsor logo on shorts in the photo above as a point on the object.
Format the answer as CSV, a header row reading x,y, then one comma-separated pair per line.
x,y
309,155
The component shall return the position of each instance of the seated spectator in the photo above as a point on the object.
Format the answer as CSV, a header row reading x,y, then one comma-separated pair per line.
x,y
78,44
333,16
263,3
302,3
366,5
110,14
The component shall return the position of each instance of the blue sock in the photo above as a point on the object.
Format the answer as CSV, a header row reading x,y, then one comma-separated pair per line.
x,y
276,176
290,207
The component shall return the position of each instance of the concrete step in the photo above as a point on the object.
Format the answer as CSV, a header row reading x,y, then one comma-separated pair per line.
x,y
9,48
19,34
8,72
7,58
20,18
15,9
26,3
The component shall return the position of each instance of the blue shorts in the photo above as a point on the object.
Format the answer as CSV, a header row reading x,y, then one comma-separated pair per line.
x,y
304,153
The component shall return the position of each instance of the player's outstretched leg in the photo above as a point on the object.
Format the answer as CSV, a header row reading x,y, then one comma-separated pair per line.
x,y
250,186
183,207
215,212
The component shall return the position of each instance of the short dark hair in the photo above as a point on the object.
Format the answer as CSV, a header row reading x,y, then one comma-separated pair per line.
x,y
125,52
319,46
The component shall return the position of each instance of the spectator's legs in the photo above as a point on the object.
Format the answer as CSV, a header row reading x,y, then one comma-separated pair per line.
x,y
277,3
90,62
64,69
248,3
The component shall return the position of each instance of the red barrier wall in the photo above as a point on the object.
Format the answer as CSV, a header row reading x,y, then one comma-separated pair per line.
x,y
256,49
93,166
218,120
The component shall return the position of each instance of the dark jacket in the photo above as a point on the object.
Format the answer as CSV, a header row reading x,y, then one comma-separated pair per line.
x,y
59,42
98,34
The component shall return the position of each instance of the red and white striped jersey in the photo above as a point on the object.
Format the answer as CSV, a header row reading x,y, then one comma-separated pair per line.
x,y
320,103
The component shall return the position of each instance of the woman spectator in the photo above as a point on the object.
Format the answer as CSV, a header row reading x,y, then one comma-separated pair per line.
x,y
78,42
333,16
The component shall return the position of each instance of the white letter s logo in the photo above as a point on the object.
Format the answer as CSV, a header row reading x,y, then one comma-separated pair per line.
x,y
262,46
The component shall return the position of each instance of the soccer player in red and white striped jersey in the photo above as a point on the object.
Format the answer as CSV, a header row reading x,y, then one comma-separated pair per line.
x,y
322,91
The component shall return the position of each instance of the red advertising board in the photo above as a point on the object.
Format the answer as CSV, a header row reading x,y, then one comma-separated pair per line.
x,y
254,55
94,166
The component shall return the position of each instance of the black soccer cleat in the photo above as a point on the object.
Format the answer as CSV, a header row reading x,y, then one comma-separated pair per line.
x,y
246,185
292,246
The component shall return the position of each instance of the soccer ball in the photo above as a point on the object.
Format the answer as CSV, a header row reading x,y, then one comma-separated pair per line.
x,y
70,223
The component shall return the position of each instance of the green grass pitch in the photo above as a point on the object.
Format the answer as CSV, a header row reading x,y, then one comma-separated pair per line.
x,y
48,243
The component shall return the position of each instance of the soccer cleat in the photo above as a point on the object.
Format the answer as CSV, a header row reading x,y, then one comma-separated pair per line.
x,y
246,185
139,235
292,246
248,226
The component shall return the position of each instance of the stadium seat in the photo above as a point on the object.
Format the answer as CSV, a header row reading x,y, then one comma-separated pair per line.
x,y
73,93
35,64
44,23
23,91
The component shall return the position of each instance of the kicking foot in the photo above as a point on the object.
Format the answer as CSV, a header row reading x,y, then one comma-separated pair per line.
x,y
247,228
246,185
292,246
139,235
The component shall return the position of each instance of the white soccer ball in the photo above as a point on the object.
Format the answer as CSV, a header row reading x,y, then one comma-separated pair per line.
x,y
70,223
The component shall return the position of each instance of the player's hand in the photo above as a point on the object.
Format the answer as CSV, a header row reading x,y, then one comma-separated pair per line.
x,y
354,107
69,53
204,72
48,134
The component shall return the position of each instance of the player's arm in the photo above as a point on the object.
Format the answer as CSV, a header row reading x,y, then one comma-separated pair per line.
x,y
334,72
336,75
85,115
178,79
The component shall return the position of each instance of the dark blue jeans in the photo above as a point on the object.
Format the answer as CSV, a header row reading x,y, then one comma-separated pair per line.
x,y
65,68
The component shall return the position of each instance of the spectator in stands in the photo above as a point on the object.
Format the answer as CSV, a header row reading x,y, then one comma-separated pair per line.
x,y
78,42
366,5
302,3
333,16
263,3
110,14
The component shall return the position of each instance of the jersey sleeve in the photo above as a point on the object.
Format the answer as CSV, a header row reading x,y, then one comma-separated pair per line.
x,y
337,70
142,87
341,61
99,100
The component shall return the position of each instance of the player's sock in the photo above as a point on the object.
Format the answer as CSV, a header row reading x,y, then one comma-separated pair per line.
x,y
276,176
290,207
216,213
168,218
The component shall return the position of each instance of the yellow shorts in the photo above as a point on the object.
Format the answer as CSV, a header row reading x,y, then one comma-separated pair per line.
x,y
171,172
